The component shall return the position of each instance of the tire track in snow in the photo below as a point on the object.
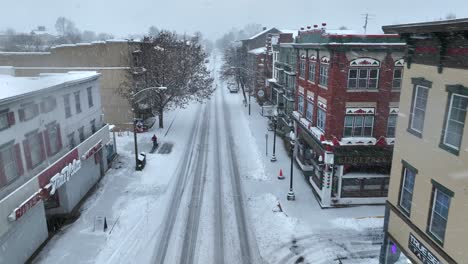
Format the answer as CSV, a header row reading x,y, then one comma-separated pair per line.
x,y
173,207
193,219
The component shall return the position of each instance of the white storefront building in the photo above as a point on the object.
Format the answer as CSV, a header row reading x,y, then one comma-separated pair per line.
x,y
53,148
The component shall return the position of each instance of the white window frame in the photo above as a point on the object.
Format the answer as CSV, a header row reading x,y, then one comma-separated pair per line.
x,y
414,107
368,78
312,69
13,162
436,192
363,125
300,104
35,146
53,141
324,68
400,79
77,98
67,105
320,123
310,114
89,91
4,122
29,111
388,124
403,188
302,64
448,120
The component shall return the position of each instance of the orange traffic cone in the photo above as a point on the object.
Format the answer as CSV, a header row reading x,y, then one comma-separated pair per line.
x,y
280,176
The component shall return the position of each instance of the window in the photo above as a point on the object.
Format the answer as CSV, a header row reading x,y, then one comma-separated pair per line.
x,y
53,139
66,102
4,121
455,121
90,96
397,76
292,82
28,111
406,191
302,69
439,211
11,160
300,104
36,149
363,78
312,71
71,140
321,119
48,104
309,110
81,134
391,125
358,125
323,75
364,187
93,126
418,110
77,102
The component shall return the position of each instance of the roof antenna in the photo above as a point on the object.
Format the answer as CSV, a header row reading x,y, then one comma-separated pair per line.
x,y
367,17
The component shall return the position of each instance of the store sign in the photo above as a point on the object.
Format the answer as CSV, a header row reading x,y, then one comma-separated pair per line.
x,y
49,180
64,176
92,151
421,251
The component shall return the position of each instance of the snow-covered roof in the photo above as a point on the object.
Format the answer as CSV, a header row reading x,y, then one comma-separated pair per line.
x,y
340,31
12,87
42,32
259,34
290,31
258,50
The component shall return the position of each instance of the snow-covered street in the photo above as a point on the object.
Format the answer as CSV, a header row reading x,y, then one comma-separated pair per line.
x,y
213,199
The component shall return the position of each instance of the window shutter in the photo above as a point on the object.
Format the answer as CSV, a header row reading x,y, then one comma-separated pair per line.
x,y
59,138
47,142
3,180
19,161
27,153
11,118
43,151
43,107
21,114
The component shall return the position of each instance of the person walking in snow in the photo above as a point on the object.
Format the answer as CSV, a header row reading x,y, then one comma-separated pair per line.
x,y
155,141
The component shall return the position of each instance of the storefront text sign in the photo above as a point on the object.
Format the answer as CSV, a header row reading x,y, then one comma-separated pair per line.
x,y
421,251
64,176
91,151
25,206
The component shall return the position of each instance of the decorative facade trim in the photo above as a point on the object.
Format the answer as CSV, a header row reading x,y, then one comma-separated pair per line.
x,y
303,56
313,58
322,105
310,96
367,62
360,111
394,110
301,90
399,63
325,60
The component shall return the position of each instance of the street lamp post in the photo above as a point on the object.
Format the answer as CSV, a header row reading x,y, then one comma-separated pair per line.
x,y
275,121
291,196
135,139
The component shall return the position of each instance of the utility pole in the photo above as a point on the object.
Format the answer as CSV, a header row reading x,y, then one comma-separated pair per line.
x,y
367,17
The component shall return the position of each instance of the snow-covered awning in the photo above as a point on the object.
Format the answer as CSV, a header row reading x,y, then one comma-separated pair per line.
x,y
257,51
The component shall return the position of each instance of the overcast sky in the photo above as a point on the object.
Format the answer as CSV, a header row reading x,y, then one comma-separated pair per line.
x,y
214,17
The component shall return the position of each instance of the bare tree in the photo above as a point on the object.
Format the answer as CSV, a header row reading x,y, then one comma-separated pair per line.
x,y
88,36
104,36
67,30
153,31
178,65
61,25
235,69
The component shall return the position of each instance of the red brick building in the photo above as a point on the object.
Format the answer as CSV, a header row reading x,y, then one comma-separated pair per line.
x,y
346,102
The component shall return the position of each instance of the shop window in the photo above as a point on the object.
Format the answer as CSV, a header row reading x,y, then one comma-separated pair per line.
x,y
77,102
312,71
358,125
323,75
441,197
397,77
309,110
300,104
391,125
90,96
321,119
363,78
406,188
455,122
364,187
418,110
66,103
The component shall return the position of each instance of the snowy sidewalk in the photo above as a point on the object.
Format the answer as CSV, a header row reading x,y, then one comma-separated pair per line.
x,y
300,218
132,202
